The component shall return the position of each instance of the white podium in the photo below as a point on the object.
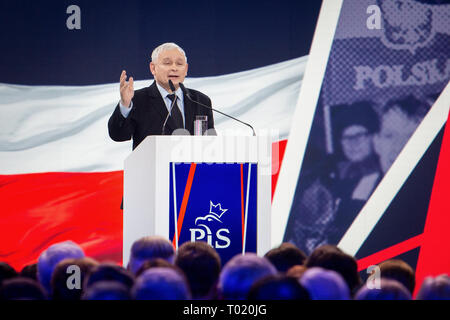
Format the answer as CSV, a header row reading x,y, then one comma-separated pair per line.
x,y
229,177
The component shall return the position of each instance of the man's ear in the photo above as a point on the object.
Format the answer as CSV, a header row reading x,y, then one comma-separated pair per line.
x,y
152,68
187,67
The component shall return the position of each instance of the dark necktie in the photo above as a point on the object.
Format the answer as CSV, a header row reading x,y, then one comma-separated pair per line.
x,y
176,113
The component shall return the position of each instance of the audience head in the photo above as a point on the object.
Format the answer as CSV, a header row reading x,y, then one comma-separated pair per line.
x,y
109,272
435,288
107,290
278,287
285,256
296,271
325,284
68,277
161,284
29,271
239,274
201,264
6,272
399,270
148,248
154,263
388,290
332,258
52,256
62,272
20,288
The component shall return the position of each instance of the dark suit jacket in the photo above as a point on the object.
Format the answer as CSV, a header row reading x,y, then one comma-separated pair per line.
x,y
149,112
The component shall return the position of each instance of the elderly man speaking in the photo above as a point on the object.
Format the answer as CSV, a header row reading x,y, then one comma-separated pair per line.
x,y
152,110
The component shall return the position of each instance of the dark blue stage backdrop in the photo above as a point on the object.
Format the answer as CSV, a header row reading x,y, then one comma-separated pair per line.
x,y
219,37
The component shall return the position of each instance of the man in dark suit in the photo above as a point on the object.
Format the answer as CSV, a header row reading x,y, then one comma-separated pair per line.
x,y
143,112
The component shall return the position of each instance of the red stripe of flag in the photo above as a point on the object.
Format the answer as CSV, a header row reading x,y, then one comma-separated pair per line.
x,y
44,208
40,209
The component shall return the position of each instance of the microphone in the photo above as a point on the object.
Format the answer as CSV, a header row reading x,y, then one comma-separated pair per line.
x,y
188,95
172,87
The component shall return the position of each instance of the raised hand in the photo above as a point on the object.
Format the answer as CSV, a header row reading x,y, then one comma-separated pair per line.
x,y
126,89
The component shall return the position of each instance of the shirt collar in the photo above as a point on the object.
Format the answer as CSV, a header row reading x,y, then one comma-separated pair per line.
x,y
164,92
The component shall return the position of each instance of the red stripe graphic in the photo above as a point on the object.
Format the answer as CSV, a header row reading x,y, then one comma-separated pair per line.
x,y
434,242
390,252
434,256
187,191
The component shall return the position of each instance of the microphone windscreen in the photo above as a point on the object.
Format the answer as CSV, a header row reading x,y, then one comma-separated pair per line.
x,y
183,88
172,87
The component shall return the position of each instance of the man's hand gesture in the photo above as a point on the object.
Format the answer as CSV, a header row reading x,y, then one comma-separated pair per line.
x,y
126,89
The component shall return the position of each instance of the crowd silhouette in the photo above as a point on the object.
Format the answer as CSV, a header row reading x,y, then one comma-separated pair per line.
x,y
195,272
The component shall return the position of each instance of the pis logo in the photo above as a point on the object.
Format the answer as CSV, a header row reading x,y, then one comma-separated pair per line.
x,y
219,240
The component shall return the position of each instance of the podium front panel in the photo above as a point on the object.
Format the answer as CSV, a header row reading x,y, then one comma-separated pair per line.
x,y
149,183
215,203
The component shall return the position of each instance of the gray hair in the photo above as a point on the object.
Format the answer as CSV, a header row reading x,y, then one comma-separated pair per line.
x,y
150,247
49,258
389,290
164,47
240,273
323,284
161,283
437,288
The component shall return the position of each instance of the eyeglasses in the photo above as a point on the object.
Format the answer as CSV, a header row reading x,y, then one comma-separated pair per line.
x,y
354,138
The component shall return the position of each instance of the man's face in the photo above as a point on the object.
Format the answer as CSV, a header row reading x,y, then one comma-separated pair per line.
x,y
396,129
356,143
170,64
